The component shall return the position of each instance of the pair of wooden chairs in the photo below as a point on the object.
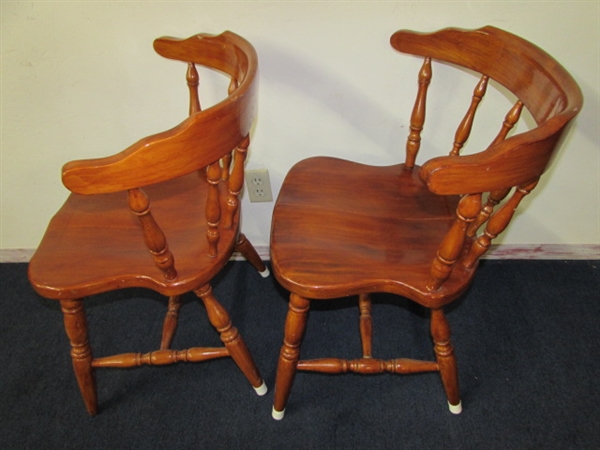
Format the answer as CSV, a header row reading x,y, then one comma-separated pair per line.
x,y
414,231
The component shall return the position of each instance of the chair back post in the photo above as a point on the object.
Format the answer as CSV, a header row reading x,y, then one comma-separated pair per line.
x,y
237,59
193,80
198,141
205,140
464,129
417,118
539,83
213,207
235,182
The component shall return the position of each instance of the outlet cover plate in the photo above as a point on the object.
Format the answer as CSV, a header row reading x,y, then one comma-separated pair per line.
x,y
258,185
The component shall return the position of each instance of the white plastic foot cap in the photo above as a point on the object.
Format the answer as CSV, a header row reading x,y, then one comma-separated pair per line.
x,y
278,415
455,409
265,273
262,389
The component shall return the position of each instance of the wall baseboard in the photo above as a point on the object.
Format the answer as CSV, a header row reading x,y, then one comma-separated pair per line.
x,y
16,255
544,251
504,251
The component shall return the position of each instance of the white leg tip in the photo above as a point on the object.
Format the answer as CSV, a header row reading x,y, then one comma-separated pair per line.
x,y
455,409
265,273
262,389
277,415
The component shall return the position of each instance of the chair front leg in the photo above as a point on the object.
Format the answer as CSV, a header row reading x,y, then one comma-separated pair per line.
x,y
440,332
81,352
295,324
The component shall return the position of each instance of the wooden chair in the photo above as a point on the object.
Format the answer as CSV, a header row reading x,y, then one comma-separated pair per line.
x,y
163,214
417,232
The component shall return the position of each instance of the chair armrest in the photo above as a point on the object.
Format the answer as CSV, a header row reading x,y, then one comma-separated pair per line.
x,y
148,161
513,162
198,141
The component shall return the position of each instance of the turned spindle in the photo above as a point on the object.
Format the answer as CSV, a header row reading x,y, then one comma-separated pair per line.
x,y
213,207
464,129
193,80
153,236
235,183
417,118
496,224
452,245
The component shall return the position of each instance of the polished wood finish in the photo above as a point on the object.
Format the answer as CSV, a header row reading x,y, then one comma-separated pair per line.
x,y
410,230
163,214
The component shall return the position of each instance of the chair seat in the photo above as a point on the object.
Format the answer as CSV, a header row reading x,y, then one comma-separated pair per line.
x,y
95,243
369,229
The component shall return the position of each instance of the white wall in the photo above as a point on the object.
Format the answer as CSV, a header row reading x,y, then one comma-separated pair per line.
x,y
80,79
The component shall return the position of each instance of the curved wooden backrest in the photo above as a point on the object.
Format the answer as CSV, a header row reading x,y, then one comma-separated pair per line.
x,y
200,140
543,86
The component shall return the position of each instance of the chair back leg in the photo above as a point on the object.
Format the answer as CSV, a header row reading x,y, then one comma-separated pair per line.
x,y
170,322
248,251
366,325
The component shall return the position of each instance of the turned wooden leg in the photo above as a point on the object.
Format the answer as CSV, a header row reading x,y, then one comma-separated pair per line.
x,y
81,352
244,246
295,323
440,332
366,325
231,338
170,323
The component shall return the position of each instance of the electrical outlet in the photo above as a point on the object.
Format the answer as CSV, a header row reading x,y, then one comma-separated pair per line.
x,y
258,185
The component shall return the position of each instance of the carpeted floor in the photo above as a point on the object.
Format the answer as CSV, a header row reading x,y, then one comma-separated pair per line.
x,y
526,338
